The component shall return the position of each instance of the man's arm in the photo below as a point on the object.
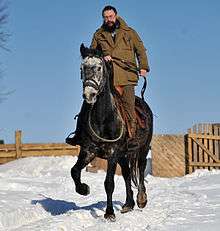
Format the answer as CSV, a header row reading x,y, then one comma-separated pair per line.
x,y
94,43
140,52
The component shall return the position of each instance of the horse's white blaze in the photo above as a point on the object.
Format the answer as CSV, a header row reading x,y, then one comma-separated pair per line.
x,y
90,94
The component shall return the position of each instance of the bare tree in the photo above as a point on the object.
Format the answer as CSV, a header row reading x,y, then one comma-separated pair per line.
x,y
3,39
3,21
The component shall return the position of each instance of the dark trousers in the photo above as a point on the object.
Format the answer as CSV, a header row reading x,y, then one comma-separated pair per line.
x,y
128,99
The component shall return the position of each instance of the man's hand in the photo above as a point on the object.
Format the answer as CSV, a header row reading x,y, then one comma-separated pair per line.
x,y
143,72
108,58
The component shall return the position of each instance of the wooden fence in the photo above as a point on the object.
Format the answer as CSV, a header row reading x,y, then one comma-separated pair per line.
x,y
10,152
177,155
203,147
172,155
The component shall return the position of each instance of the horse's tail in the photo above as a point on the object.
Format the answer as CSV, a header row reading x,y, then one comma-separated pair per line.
x,y
133,162
138,158
138,162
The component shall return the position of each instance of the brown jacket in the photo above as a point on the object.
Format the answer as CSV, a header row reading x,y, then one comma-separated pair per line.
x,y
127,46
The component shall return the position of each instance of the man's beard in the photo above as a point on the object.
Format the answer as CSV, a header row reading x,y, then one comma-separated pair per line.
x,y
111,28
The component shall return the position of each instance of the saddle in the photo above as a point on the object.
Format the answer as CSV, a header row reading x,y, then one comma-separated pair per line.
x,y
140,112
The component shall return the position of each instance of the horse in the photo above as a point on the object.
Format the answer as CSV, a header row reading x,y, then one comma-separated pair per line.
x,y
104,134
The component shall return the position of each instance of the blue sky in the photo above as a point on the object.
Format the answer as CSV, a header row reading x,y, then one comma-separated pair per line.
x,y
182,39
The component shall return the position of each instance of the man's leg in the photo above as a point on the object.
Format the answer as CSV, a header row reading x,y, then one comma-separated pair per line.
x,y
128,98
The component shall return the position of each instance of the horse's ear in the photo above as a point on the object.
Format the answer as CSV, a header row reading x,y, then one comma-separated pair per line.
x,y
83,50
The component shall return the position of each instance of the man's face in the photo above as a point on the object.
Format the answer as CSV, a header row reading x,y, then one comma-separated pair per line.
x,y
109,17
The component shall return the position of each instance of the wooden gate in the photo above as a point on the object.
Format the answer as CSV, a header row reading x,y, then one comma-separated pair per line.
x,y
203,147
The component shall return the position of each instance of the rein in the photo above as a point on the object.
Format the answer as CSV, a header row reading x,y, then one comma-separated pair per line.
x,y
91,82
131,67
104,139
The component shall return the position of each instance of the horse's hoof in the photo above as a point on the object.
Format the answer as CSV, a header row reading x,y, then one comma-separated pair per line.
x,y
142,200
141,205
126,209
110,217
83,189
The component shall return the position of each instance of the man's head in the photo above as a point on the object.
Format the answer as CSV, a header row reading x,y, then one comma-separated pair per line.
x,y
109,14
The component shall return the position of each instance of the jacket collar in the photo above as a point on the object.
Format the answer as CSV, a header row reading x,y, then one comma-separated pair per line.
x,y
119,34
123,24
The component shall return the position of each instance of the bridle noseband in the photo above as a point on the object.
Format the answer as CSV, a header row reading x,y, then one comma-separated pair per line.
x,y
91,83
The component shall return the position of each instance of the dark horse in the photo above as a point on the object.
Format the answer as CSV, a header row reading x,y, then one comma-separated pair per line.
x,y
104,134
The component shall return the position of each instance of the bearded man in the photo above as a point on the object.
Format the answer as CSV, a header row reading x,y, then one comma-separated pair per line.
x,y
120,45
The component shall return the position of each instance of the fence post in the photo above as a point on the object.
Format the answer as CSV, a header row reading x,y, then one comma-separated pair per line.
x,y
190,153
18,144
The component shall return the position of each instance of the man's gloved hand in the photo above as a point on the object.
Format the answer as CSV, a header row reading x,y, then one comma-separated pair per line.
x,y
108,58
143,72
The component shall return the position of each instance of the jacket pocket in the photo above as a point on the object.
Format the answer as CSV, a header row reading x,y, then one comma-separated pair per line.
x,y
127,42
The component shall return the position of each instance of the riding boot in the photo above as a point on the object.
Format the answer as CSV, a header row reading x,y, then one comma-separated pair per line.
x,y
77,138
132,142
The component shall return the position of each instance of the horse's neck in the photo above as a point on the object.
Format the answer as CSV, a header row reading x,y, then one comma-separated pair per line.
x,y
104,105
104,116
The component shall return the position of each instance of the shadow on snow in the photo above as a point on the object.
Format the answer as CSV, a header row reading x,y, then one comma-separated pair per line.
x,y
58,207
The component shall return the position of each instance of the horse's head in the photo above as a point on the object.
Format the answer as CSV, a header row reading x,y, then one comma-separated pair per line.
x,y
92,73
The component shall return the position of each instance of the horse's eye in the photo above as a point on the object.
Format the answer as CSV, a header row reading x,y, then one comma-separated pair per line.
x,y
99,68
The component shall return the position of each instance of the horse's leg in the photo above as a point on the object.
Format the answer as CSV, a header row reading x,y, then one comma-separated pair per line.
x,y
109,188
84,158
142,163
129,203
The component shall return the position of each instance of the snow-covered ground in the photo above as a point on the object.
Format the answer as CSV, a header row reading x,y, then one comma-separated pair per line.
x,y
38,194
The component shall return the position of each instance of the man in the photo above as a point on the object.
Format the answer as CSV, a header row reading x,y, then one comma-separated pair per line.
x,y
122,46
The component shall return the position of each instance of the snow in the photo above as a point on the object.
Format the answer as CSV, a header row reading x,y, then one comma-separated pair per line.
x,y
38,194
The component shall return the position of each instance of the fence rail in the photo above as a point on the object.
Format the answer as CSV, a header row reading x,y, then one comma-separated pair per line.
x,y
18,150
